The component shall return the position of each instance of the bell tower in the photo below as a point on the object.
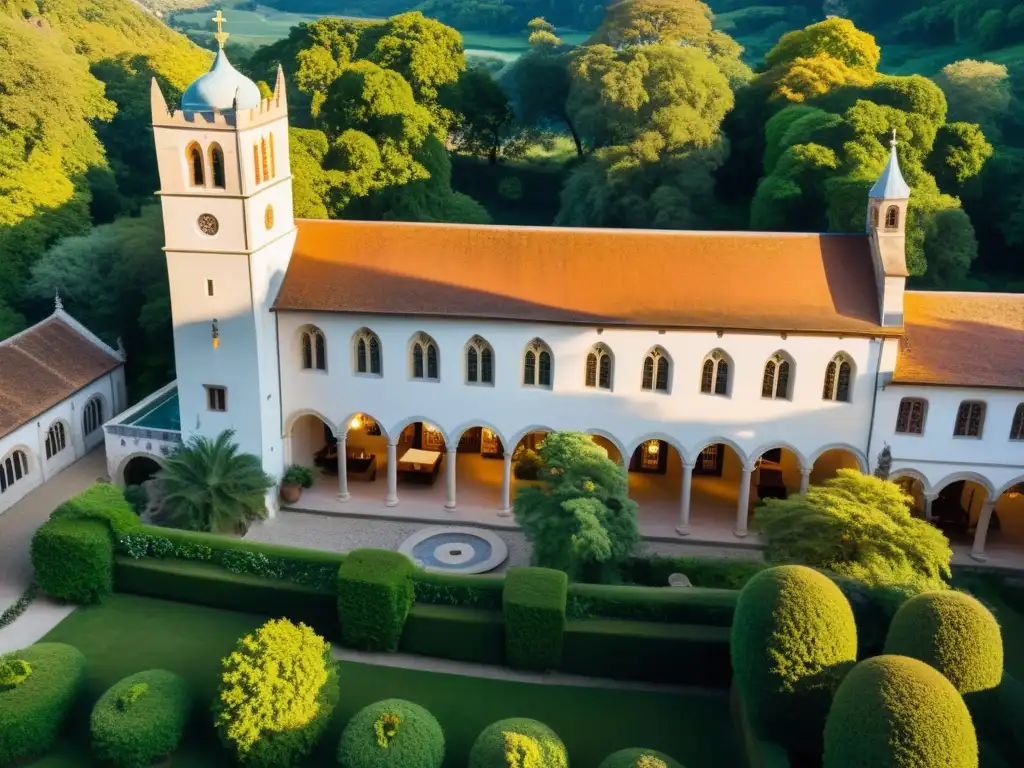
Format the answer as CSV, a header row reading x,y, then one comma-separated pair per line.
x,y
886,227
226,196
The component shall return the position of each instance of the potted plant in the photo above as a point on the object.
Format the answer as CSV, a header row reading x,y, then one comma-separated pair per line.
x,y
295,478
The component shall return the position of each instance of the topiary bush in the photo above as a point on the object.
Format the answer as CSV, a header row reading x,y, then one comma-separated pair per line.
x,y
898,712
955,634
637,757
74,559
392,734
375,593
534,604
140,719
42,683
104,502
518,742
793,638
277,692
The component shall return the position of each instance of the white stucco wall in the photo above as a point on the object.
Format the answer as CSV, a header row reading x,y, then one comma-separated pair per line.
x,y
686,418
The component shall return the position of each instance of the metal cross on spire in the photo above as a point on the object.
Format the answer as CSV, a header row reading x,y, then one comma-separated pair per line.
x,y
893,142
221,37
58,303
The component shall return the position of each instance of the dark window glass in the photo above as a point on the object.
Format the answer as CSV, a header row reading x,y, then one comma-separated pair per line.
x,y
722,378
591,380
530,368
417,361
605,378
707,376
544,369
471,365
431,361
486,366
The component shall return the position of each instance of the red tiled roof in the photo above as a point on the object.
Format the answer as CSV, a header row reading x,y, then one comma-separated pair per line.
x,y
650,278
43,366
962,339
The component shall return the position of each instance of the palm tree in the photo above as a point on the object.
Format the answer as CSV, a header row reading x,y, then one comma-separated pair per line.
x,y
209,486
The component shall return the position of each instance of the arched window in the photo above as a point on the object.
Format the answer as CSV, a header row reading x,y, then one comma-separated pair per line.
x,y
970,419
217,166
92,415
367,352
479,361
537,364
56,440
910,418
892,217
256,161
775,383
838,373
12,469
194,155
656,371
598,372
263,157
273,168
314,349
1017,426
424,358
714,374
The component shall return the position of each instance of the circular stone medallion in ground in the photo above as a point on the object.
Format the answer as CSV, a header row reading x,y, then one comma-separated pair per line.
x,y
453,549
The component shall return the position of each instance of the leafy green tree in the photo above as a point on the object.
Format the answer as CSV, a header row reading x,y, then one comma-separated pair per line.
x,y
642,22
977,92
542,108
858,526
542,33
11,322
207,485
310,184
950,241
960,152
835,37
485,120
581,519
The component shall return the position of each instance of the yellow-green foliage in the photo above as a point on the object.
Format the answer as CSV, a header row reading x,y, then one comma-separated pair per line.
x,y
386,728
272,683
392,734
13,672
955,634
636,757
897,712
518,743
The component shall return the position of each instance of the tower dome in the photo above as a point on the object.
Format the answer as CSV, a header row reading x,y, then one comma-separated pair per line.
x,y
221,87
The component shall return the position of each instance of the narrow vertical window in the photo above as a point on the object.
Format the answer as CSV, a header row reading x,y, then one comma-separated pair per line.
x,y
256,161
591,376
648,378
321,351
782,385
431,361
417,361
217,166
544,368
307,351
472,365
843,383
892,217
487,366
830,381
273,169
707,376
374,356
605,374
1017,425
530,368
722,378
263,156
361,356
661,380
768,381
209,287
195,165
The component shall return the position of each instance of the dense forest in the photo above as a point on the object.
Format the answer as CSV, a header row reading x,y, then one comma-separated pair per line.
x,y
660,119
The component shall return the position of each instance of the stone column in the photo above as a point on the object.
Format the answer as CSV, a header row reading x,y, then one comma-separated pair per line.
x,y
805,479
391,499
343,494
683,529
978,550
506,487
449,480
928,499
743,503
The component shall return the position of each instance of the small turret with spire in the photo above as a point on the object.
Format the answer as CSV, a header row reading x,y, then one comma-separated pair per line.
x,y
886,227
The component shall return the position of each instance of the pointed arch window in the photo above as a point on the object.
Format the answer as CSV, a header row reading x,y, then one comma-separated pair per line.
x,y
838,374
12,469
656,371
598,374
911,416
479,361
714,374
56,440
424,358
263,157
194,155
92,415
367,352
892,217
217,166
776,380
256,161
537,364
970,419
314,349
1017,426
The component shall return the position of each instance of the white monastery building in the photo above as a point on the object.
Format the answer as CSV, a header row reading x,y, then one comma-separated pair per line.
x,y
717,367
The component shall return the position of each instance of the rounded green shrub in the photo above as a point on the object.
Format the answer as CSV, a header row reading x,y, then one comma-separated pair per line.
x,y
33,706
955,634
637,757
518,742
392,734
793,638
277,692
898,712
140,718
73,559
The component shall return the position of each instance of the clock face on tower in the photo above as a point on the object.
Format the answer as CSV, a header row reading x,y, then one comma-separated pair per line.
x,y
208,224
268,217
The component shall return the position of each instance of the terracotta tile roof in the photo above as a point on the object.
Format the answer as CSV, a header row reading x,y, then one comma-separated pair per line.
x,y
962,339
741,281
44,365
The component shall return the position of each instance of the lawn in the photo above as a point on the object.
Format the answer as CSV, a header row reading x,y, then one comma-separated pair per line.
x,y
128,634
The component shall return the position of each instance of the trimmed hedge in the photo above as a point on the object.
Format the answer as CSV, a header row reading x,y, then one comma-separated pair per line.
x,y
392,734
637,757
375,593
465,591
633,650
955,634
140,719
533,743
449,632
793,638
74,559
707,572
757,752
534,604
103,502
898,712
714,607
33,711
